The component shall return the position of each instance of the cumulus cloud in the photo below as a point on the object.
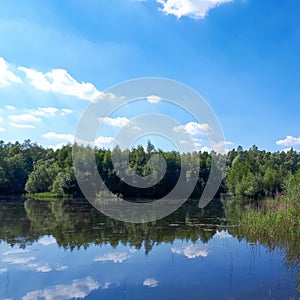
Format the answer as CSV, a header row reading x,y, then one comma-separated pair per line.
x,y
191,251
44,111
3,270
150,282
289,141
15,251
194,128
47,240
7,77
43,269
61,268
2,129
153,99
101,141
10,107
183,142
21,125
19,119
25,259
223,234
24,118
60,81
118,122
66,111
218,147
57,146
56,81
18,260
50,111
78,289
117,257
1,120
195,9
197,142
104,141
65,137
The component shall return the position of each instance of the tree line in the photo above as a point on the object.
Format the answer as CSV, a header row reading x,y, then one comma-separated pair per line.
x,y
253,174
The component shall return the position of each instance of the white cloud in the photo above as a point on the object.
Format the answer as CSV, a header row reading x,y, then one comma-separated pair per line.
x,y
153,99
50,111
205,149
78,289
104,141
101,141
10,107
47,240
55,147
2,129
223,234
15,251
3,270
218,147
43,269
118,257
289,141
118,122
69,138
1,120
21,125
60,81
17,260
66,111
197,142
21,257
150,282
191,251
195,9
289,149
44,111
6,76
194,128
24,118
183,142
61,268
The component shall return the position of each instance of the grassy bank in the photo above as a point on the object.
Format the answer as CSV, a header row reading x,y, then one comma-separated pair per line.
x,y
46,196
276,220
273,223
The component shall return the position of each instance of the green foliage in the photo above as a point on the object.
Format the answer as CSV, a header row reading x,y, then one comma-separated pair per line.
x,y
42,177
16,163
257,174
252,174
273,222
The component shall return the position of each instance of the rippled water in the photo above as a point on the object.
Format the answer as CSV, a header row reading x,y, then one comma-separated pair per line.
x,y
68,250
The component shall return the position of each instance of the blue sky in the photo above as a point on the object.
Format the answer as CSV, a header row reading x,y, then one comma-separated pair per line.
x,y
242,56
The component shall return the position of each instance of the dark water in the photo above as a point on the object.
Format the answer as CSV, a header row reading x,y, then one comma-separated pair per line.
x,y
68,250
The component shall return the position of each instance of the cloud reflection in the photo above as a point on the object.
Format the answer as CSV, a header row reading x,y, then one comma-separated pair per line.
x,y
3,270
47,240
223,234
117,257
78,289
150,282
191,251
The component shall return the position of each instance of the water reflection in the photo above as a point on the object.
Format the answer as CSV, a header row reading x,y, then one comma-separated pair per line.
x,y
76,224
67,250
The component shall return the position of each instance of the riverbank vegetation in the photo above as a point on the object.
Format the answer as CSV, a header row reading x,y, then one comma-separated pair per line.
x,y
250,175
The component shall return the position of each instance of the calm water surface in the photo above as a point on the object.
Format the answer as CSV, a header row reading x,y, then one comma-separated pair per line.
x,y
68,250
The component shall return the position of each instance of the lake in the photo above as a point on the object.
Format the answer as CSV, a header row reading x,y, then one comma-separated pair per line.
x,y
69,250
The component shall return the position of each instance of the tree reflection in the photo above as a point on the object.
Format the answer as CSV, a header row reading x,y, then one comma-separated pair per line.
x,y
76,224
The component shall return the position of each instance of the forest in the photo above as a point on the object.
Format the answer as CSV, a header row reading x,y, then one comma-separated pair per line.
x,y
249,174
